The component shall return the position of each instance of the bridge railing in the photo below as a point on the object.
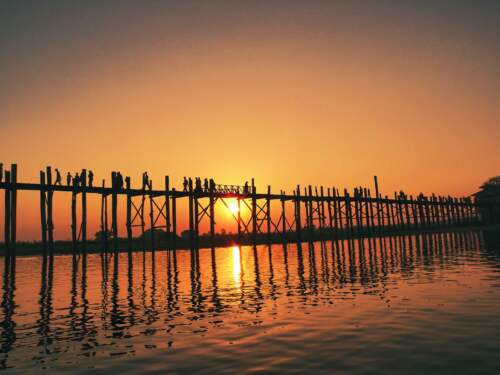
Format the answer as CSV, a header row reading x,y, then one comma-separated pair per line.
x,y
232,189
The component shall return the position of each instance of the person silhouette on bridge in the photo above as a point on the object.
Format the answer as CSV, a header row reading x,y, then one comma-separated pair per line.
x,y
91,178
1,172
198,184
145,180
245,188
119,181
58,178
205,185
76,180
185,184
212,185
68,179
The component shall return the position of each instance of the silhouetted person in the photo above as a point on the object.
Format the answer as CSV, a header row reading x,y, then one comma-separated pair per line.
x,y
91,178
68,179
245,188
127,181
185,184
198,184
1,172
145,180
212,184
119,181
190,184
58,178
76,180
205,185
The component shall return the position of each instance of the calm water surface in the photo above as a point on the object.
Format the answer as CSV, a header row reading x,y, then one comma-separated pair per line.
x,y
427,303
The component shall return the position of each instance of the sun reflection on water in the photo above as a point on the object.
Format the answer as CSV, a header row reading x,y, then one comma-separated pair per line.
x,y
237,266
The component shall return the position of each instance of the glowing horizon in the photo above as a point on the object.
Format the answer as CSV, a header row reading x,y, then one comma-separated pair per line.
x,y
320,93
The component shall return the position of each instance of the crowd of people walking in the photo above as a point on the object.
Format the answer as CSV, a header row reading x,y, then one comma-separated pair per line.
x,y
198,186
86,178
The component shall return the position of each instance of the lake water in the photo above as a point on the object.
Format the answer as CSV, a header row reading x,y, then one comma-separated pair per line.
x,y
419,304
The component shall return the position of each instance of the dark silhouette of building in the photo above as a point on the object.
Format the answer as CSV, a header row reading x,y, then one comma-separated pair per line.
x,y
488,201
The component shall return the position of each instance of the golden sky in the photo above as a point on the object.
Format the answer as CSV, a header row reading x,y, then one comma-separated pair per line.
x,y
316,92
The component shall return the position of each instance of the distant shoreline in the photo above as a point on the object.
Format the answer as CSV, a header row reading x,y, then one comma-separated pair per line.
x,y
225,240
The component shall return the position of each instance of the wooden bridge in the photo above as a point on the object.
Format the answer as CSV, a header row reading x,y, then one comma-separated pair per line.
x,y
315,211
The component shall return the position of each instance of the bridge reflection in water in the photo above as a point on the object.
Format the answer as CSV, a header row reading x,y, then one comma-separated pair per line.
x,y
123,304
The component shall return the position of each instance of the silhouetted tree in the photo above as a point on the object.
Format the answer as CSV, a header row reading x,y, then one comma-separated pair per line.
x,y
491,183
100,235
488,200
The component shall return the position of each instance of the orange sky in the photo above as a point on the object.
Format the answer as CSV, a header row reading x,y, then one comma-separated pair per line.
x,y
326,93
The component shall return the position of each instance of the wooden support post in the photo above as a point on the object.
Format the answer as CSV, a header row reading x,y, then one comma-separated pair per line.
x,y
114,212
463,218
427,212
268,213
442,217
191,213
283,216
401,218
43,211
298,220
73,219
378,203
337,212
356,209
348,211
321,209
310,215
167,207
396,206
152,218
238,217
389,212
330,201
197,220
129,215
84,210
254,213
364,199
174,219
13,208
50,221
143,221
7,214
372,214
104,234
212,216
338,208
413,219
407,212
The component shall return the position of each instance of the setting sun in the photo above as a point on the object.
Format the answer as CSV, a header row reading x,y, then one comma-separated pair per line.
x,y
233,207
